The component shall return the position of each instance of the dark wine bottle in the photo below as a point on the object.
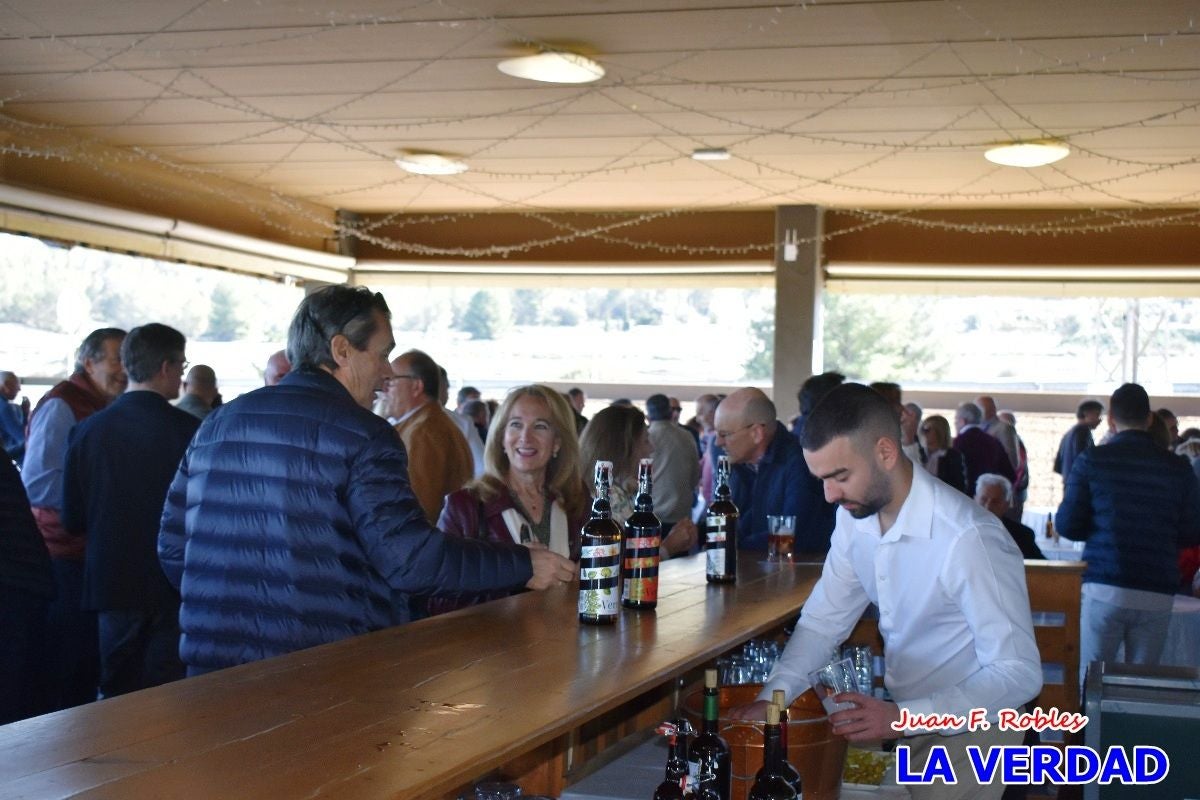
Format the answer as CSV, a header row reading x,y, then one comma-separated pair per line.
x,y
709,752
600,557
643,535
720,530
770,783
705,788
785,764
676,773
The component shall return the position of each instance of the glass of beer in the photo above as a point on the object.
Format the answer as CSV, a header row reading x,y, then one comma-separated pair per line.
x,y
781,536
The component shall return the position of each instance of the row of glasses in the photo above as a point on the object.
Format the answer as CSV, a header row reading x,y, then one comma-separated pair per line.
x,y
751,665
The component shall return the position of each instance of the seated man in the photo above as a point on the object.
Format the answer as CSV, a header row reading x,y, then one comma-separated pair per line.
x,y
768,476
995,493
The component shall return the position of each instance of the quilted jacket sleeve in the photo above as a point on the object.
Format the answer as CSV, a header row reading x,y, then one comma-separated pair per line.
x,y
172,537
410,554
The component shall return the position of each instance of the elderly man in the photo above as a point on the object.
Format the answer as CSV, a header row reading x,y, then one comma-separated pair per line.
x,y
578,399
277,367
439,461
12,417
120,462
474,441
706,415
768,472
993,426
948,581
291,523
981,452
200,392
995,493
676,467
1135,505
73,664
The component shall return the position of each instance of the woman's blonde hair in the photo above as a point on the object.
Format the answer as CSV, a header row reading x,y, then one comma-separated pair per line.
x,y
941,427
563,478
612,435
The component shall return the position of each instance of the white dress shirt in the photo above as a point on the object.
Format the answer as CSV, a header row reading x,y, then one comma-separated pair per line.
x,y
953,606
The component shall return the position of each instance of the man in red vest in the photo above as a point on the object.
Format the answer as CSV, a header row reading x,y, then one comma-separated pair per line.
x,y
71,671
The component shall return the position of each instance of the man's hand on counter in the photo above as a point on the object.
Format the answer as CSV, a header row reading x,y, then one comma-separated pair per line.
x,y
871,718
549,569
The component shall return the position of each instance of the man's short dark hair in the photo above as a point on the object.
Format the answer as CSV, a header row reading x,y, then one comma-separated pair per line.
x,y
574,391
464,394
425,369
1087,407
348,310
816,387
1130,406
658,407
851,410
92,346
146,347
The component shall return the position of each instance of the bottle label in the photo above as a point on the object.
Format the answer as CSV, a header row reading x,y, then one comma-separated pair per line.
x,y
598,579
715,535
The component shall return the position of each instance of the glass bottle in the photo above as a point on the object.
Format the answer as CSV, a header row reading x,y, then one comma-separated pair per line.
x,y
600,557
770,783
785,765
720,530
676,773
643,535
709,752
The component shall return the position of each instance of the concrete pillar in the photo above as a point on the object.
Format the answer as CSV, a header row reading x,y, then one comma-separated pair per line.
x,y
798,282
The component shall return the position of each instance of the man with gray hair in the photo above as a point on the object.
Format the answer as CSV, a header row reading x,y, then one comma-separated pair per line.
x,y
995,493
291,522
999,429
767,475
12,417
981,452
200,392
72,666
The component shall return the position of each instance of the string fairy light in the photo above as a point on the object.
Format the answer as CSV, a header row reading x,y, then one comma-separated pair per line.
x,y
649,93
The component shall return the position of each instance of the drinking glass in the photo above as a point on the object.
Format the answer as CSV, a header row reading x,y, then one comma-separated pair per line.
x,y
833,679
497,791
863,659
781,536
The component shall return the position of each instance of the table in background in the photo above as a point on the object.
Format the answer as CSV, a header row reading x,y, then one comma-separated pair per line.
x,y
417,711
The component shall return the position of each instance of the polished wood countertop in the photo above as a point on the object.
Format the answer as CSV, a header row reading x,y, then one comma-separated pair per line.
x,y
411,712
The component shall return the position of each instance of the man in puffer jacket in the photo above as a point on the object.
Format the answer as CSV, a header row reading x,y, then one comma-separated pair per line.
x,y
1135,504
290,522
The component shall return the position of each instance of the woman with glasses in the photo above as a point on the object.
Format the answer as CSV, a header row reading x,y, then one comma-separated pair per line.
x,y
531,491
943,460
619,434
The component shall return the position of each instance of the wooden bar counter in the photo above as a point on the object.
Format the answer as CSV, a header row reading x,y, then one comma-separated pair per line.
x,y
417,711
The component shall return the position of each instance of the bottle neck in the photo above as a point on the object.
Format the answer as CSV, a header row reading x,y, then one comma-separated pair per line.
x,y
601,507
711,710
771,749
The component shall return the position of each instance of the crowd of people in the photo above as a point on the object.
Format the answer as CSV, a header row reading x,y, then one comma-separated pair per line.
x,y
149,535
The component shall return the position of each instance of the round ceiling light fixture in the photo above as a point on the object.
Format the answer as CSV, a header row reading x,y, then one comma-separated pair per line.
x,y
553,66
710,154
430,164
1028,154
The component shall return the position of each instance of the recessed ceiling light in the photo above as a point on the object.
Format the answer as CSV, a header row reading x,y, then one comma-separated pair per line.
x,y
1028,154
430,164
553,66
710,154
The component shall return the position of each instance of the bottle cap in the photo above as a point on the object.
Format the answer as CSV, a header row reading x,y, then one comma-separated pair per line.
x,y
710,679
646,462
777,697
772,714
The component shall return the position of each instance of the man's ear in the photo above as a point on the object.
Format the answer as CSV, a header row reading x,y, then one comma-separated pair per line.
x,y
886,452
339,348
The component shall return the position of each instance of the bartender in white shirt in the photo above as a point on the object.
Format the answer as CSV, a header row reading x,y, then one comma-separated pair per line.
x,y
948,581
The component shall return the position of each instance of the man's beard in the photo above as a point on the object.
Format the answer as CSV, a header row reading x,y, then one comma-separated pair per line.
x,y
878,495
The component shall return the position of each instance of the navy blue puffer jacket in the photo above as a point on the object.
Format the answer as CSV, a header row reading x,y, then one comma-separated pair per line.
x,y
290,523
1135,504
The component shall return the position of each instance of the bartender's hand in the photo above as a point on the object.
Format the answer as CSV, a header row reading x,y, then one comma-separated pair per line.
x,y
752,712
681,539
549,569
871,718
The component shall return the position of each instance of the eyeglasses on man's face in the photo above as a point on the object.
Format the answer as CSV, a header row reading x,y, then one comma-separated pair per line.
x,y
728,434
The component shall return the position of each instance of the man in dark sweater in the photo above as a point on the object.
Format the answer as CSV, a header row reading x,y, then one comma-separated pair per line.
x,y
1079,438
120,462
1135,505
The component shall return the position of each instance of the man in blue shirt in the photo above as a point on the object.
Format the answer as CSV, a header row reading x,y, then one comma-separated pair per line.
x,y
768,475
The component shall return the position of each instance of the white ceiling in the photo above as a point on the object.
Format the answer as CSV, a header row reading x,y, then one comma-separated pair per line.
x,y
885,104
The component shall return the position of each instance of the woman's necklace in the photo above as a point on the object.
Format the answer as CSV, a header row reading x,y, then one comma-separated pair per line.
x,y
532,502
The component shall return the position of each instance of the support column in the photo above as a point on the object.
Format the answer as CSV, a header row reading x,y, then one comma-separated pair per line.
x,y
798,284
